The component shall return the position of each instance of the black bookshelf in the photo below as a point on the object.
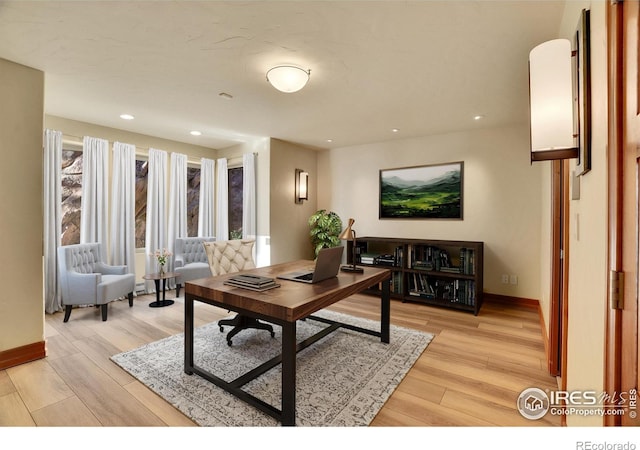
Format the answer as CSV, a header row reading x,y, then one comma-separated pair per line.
x,y
435,272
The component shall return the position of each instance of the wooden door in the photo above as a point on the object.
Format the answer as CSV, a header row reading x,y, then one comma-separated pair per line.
x,y
621,363
559,270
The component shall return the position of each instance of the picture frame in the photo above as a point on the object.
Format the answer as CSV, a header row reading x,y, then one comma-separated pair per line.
x,y
582,94
422,192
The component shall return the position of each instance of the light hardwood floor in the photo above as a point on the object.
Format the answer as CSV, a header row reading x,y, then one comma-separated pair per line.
x,y
470,374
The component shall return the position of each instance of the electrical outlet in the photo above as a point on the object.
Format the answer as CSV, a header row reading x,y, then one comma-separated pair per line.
x,y
505,279
513,279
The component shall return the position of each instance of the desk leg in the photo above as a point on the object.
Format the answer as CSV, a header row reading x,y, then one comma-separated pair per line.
x,y
188,335
385,311
289,374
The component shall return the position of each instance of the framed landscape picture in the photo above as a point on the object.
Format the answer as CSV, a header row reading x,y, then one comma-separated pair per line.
x,y
423,192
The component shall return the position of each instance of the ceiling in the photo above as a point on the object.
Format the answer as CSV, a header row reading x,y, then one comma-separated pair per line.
x,y
421,67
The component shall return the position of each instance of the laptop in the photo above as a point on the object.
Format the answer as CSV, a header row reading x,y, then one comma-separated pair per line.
x,y
327,266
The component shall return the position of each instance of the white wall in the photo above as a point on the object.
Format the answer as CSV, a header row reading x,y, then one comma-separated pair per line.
x,y
502,204
21,220
289,220
588,228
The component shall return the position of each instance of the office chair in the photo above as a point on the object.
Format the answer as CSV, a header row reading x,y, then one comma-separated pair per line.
x,y
229,257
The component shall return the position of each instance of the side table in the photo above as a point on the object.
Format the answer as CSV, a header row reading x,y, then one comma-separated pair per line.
x,y
156,277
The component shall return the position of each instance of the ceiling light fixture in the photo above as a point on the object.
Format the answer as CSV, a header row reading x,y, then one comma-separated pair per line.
x,y
287,78
478,117
195,133
126,116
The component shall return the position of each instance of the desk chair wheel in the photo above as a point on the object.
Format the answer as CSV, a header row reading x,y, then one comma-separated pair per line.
x,y
241,322
273,334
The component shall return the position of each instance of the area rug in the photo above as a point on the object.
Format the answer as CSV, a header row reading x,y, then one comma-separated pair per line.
x,y
342,380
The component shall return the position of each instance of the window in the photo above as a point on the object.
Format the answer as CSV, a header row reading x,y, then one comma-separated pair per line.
x,y
142,169
193,199
71,180
72,195
235,177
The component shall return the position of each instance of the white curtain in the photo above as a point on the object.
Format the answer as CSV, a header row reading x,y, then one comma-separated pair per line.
x,y
177,204
52,218
123,202
95,208
156,233
249,196
206,202
222,201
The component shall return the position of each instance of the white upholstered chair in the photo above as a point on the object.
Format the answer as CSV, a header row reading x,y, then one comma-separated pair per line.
x,y
190,260
86,280
229,257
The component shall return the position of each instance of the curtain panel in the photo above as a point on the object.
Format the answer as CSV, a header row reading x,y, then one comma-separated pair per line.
x,y
123,202
206,200
177,205
94,211
249,196
222,201
156,231
52,218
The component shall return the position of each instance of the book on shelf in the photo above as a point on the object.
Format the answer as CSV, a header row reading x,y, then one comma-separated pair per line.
x,y
420,286
467,263
385,260
456,291
368,258
432,258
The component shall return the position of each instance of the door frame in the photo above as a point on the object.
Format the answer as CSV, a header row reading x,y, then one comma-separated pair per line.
x,y
559,313
621,324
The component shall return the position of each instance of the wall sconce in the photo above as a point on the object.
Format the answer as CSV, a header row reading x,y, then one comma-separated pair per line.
x,y
551,101
559,98
287,78
302,186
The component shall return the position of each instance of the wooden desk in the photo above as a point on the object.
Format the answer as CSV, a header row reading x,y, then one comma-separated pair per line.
x,y
281,306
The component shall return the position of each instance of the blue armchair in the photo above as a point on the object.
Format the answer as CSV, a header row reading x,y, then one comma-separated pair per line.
x,y
190,260
86,280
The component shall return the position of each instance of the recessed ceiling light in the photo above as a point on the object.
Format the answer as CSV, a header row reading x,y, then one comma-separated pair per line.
x,y
329,140
395,130
196,133
126,116
478,117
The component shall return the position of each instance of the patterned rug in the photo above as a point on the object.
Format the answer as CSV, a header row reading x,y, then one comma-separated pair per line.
x,y
342,380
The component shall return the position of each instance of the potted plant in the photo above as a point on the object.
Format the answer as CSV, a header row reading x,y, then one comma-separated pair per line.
x,y
325,226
